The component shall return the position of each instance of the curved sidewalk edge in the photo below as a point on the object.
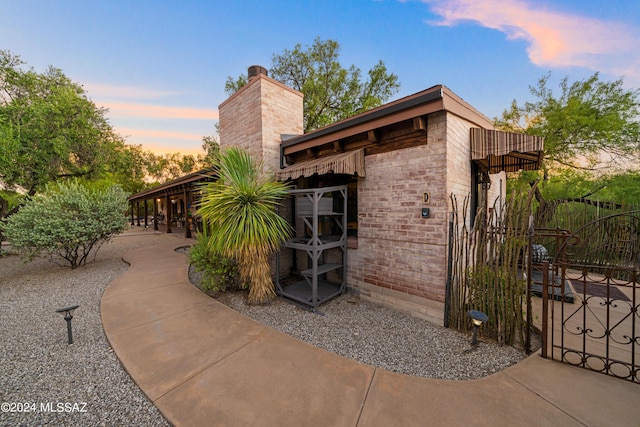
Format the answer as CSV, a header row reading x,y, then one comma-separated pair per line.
x,y
202,363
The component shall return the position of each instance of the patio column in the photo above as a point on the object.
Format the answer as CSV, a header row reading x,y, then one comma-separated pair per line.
x,y
146,214
155,213
132,223
169,209
187,215
138,213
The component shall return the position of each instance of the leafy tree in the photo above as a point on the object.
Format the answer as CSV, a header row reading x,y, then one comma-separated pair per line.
x,y
11,198
623,188
67,221
592,134
231,86
129,167
240,208
49,128
331,92
211,148
170,166
591,121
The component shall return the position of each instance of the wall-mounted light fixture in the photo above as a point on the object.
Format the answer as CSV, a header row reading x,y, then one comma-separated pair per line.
x,y
484,180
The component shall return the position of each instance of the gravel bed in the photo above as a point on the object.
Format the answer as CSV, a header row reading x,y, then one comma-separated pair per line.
x,y
47,380
380,336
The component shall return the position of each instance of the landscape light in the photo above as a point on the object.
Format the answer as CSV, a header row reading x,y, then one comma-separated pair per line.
x,y
67,312
477,319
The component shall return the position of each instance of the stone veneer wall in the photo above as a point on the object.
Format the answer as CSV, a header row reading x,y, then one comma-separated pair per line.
x,y
254,118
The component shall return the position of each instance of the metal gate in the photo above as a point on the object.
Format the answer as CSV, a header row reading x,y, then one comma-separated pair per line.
x,y
589,294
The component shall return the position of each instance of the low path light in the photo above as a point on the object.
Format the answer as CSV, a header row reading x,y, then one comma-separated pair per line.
x,y
67,312
477,318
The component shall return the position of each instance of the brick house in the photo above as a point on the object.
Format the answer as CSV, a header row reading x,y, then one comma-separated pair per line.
x,y
400,163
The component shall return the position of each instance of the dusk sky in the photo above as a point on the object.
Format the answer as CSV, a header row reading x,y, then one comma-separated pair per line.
x,y
160,66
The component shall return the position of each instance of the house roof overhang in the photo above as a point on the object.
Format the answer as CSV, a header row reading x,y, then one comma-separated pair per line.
x,y
176,186
434,99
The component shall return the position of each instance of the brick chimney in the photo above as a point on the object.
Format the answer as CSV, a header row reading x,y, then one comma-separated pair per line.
x,y
257,115
255,71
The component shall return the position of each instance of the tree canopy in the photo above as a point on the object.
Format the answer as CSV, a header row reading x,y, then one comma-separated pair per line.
x,y
50,129
591,124
331,92
592,143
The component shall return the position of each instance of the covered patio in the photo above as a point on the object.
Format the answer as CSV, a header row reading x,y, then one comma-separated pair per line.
x,y
171,205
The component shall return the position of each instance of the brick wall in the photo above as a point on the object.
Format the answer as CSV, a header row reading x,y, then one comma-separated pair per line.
x,y
240,120
401,257
254,118
458,160
281,111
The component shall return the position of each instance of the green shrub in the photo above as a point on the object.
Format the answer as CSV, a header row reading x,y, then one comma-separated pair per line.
x,y
67,221
219,272
11,198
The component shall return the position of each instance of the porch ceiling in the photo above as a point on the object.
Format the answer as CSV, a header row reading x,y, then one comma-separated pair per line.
x,y
506,151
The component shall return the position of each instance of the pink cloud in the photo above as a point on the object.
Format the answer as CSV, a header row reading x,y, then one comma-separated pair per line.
x,y
158,134
555,39
127,110
170,149
163,142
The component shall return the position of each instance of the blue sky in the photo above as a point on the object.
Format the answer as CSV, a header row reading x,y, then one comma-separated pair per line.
x,y
160,66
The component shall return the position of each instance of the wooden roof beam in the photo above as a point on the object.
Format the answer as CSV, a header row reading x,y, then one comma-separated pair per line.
x,y
372,136
312,152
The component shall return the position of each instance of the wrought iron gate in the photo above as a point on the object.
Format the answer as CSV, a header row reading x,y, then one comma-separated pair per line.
x,y
590,294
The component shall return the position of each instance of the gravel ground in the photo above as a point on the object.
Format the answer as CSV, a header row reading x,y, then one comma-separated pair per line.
x,y
45,380
380,337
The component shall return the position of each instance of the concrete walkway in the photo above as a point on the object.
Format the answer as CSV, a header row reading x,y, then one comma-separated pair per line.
x,y
203,364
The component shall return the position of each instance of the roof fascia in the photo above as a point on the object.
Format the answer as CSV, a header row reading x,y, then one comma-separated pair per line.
x,y
167,186
456,105
367,120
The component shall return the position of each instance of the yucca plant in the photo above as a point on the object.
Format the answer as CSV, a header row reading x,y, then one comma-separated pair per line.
x,y
241,209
